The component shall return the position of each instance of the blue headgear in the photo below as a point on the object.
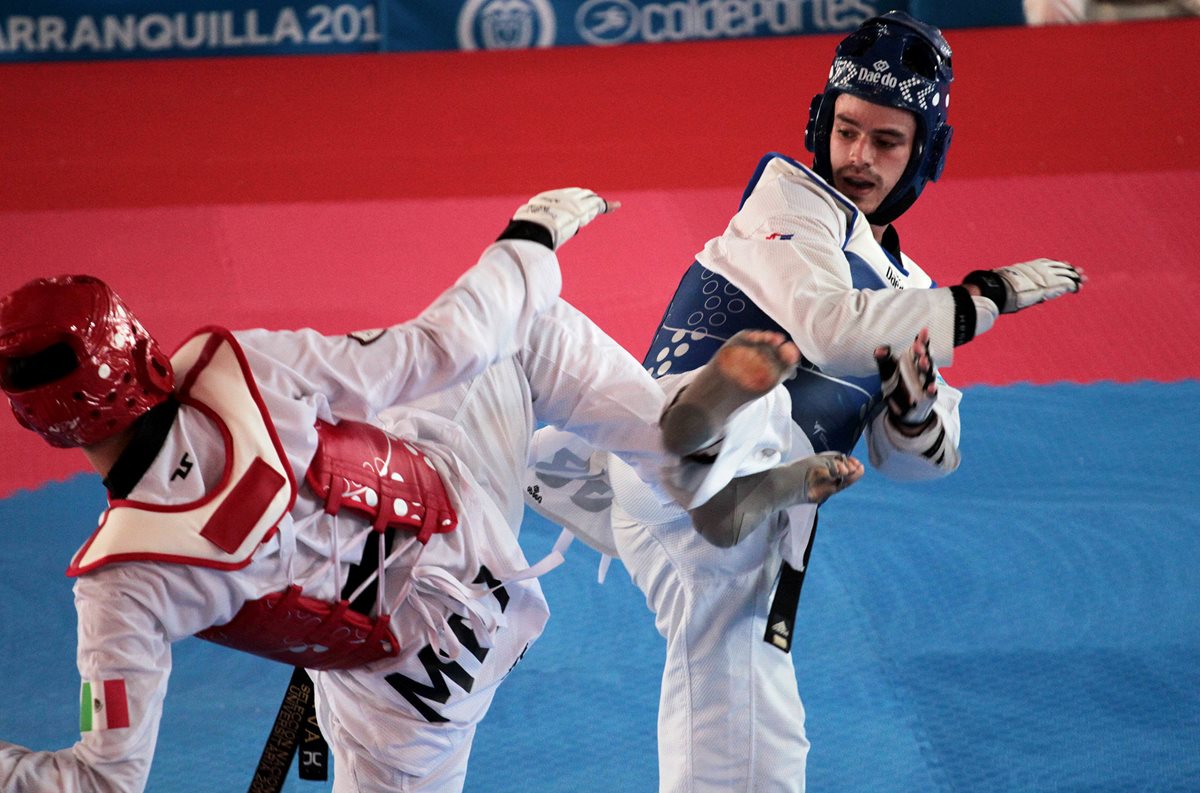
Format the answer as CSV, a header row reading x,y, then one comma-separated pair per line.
x,y
897,61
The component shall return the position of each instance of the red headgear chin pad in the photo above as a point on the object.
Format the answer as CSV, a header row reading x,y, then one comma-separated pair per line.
x,y
75,363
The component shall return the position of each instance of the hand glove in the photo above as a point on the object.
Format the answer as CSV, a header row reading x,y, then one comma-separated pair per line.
x,y
563,212
908,383
1026,284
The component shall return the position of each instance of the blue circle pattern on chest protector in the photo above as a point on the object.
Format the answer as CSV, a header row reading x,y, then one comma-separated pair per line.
x,y
707,310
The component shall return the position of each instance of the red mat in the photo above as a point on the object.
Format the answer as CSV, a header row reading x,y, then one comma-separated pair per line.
x,y
345,192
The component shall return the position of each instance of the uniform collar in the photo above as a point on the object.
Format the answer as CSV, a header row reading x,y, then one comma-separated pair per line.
x,y
891,241
149,434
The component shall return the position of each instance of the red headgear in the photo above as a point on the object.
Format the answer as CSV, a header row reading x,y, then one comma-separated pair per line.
x,y
76,365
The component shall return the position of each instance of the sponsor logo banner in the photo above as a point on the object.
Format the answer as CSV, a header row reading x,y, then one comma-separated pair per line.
x,y
511,24
78,30
607,22
506,24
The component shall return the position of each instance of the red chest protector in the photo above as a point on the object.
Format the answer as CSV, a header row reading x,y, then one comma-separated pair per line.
x,y
392,483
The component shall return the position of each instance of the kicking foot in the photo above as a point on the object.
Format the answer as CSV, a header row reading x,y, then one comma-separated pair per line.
x,y
746,502
746,367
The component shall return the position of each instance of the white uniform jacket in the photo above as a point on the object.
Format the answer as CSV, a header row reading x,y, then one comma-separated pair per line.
x,y
806,256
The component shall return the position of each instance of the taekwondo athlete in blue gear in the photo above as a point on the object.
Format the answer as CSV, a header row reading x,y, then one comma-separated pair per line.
x,y
812,253
707,310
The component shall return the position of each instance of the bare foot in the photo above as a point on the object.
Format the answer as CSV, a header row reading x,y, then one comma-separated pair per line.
x,y
755,361
746,367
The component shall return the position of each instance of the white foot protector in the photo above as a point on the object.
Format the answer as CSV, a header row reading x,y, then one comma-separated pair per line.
x,y
746,502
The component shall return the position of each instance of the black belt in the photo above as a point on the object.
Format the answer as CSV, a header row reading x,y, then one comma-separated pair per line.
x,y
295,728
781,619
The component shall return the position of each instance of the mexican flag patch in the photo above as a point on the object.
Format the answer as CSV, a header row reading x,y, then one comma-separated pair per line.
x,y
103,705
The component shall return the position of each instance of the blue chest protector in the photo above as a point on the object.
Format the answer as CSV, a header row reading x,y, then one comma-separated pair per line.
x,y
707,309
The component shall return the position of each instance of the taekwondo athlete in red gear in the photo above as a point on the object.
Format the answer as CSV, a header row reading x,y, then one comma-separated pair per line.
x,y
250,470
810,253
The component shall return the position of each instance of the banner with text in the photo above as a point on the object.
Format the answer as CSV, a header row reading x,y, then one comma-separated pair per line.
x,y
63,30
179,28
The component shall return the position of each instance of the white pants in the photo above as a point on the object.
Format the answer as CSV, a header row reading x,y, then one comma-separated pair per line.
x,y
358,771
730,717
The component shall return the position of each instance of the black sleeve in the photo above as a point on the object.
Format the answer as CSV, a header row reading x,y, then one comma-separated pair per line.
x,y
527,230
964,315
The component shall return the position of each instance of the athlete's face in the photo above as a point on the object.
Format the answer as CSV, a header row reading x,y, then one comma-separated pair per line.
x,y
869,149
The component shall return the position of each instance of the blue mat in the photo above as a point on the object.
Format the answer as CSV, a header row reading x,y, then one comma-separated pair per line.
x,y
1028,624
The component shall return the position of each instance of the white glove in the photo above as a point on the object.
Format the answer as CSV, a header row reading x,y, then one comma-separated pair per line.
x,y
908,383
563,212
1026,284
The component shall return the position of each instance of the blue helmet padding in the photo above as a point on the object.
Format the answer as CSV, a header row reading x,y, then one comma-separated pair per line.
x,y
897,61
